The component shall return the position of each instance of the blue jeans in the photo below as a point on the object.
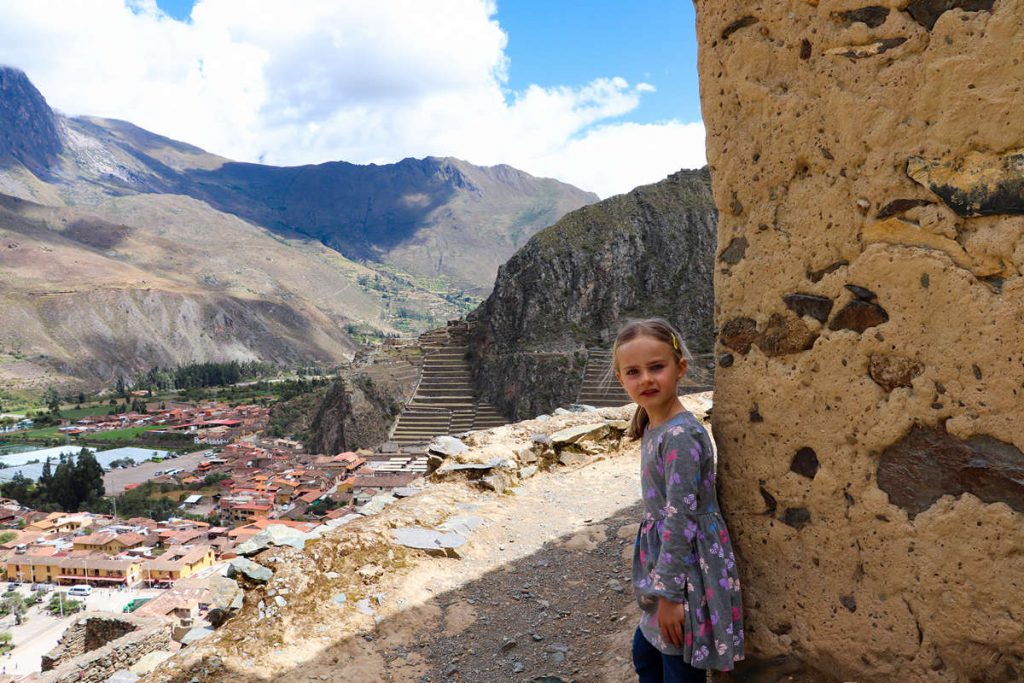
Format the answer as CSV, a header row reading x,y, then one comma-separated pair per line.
x,y
653,667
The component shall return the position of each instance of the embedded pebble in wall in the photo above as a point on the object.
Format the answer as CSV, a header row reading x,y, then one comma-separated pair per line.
x,y
805,463
813,305
891,371
858,316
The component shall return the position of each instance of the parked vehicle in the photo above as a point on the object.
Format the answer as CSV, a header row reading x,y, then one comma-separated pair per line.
x,y
135,603
80,590
12,585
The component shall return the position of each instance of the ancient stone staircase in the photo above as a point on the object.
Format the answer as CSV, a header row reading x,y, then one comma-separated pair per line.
x,y
444,402
600,388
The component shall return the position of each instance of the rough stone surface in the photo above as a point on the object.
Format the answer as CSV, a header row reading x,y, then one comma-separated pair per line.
x,y
98,645
571,435
861,572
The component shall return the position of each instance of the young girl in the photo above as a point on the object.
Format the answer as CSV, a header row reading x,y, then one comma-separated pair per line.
x,y
684,570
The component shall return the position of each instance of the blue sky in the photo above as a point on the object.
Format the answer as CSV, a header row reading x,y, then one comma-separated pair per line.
x,y
573,41
599,93
557,42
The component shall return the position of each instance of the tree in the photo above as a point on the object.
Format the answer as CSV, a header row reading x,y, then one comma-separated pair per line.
x,y
52,399
60,601
12,603
20,489
88,477
46,477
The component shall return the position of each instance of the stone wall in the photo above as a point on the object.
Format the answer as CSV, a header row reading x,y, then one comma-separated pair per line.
x,y
99,644
867,166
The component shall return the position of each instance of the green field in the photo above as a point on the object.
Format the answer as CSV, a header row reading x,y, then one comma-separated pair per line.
x,y
128,434
86,411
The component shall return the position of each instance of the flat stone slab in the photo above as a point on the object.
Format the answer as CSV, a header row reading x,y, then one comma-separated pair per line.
x,y
149,661
196,634
427,539
224,593
275,534
452,466
571,435
461,524
376,504
123,677
405,491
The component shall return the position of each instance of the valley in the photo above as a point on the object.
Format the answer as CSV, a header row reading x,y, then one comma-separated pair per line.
x,y
121,249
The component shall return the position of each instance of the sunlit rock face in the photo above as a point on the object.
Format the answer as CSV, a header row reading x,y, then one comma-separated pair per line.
x,y
867,167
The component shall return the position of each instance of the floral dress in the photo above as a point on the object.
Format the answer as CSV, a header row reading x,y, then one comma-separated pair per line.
x,y
683,552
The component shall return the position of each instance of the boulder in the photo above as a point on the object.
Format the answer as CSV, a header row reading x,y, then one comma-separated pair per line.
x,y
446,446
249,569
224,593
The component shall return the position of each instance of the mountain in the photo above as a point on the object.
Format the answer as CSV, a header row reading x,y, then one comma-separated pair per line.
x,y
121,249
649,252
28,128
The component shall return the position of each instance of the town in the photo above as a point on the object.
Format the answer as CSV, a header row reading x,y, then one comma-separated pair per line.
x,y
212,500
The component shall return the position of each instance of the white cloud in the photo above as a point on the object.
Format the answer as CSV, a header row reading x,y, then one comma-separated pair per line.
x,y
308,81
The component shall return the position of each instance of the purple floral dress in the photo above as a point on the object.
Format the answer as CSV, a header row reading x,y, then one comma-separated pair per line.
x,y
683,552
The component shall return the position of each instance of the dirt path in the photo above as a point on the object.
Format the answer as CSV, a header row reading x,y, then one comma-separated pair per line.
x,y
542,589
540,594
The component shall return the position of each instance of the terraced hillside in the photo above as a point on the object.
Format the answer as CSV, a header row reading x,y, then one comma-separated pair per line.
x,y
444,402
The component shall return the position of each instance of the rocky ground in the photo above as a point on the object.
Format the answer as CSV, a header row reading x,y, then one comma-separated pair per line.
x,y
539,593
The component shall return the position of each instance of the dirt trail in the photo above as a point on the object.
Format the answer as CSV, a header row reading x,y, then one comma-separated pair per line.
x,y
541,593
542,590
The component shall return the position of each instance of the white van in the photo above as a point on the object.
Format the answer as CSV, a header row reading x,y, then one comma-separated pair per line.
x,y
80,589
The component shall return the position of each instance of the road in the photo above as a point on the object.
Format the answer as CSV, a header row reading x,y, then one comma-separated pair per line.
x,y
114,481
40,632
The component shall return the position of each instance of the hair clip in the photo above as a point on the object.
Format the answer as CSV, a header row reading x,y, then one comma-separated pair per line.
x,y
675,343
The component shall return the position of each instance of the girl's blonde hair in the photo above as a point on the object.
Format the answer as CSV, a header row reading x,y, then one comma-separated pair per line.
x,y
655,328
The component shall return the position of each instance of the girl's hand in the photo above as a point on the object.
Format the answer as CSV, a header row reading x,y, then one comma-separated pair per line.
x,y
670,621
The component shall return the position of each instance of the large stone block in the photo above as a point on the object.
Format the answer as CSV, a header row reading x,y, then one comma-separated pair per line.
x,y
867,167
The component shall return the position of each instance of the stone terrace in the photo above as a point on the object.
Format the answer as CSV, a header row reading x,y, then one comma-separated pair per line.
x,y
444,402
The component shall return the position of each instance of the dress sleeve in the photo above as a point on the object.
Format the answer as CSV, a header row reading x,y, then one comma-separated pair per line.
x,y
679,454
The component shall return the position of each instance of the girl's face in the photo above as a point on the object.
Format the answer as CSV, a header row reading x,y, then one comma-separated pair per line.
x,y
648,370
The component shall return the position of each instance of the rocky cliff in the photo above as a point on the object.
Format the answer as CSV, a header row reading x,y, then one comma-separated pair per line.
x,y
648,252
867,169
28,128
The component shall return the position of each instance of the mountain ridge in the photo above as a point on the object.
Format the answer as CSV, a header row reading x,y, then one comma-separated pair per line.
x,y
354,251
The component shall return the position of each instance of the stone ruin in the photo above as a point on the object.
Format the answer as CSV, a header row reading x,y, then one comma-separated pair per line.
x,y
868,166
99,644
